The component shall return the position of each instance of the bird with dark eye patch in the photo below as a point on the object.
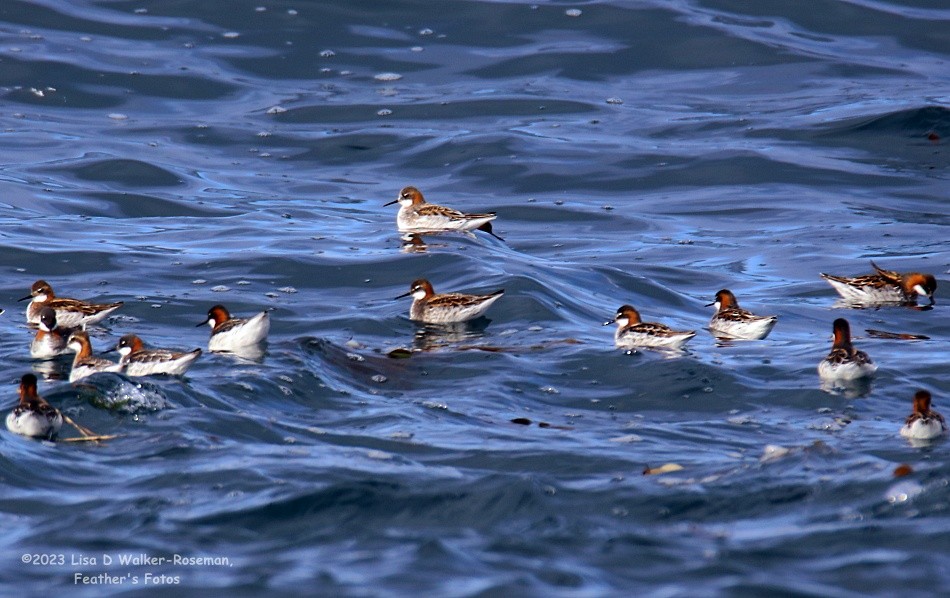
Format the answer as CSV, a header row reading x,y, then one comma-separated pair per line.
x,y
139,361
633,332
884,286
50,338
70,313
417,216
232,334
85,363
732,321
432,308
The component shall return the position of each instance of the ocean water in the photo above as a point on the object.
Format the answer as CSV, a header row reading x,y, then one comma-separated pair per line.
x,y
179,154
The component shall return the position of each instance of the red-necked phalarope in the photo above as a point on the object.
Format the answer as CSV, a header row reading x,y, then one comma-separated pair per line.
x,y
50,339
230,334
448,308
139,361
633,332
417,216
733,321
70,313
845,362
885,286
85,363
924,423
33,416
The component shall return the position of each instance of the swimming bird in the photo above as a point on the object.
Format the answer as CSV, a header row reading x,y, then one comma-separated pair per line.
x,y
139,361
230,334
633,332
448,308
733,321
924,423
85,363
50,339
884,286
33,416
415,215
845,362
70,313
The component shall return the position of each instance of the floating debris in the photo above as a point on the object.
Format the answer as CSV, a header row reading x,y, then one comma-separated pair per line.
x,y
901,336
903,491
627,438
902,470
524,421
400,353
665,468
772,452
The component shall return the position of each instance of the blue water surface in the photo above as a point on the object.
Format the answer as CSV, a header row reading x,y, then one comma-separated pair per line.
x,y
179,154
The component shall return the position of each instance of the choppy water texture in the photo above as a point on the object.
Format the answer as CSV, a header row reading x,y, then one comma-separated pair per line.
x,y
180,154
